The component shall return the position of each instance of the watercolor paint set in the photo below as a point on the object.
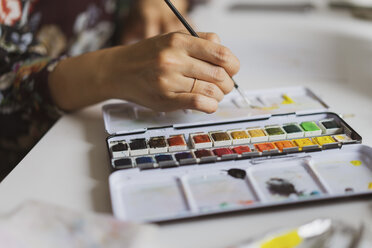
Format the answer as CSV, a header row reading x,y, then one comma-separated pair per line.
x,y
288,149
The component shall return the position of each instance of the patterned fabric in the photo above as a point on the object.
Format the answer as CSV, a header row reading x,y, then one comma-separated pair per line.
x,y
34,35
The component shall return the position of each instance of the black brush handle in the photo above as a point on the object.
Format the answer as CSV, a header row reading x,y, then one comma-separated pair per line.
x,y
181,18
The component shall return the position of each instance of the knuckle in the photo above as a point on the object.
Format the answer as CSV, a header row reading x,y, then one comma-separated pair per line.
x,y
176,39
223,54
162,87
165,59
162,57
213,37
229,86
196,102
210,90
218,74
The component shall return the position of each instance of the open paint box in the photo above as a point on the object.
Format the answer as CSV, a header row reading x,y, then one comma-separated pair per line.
x,y
287,150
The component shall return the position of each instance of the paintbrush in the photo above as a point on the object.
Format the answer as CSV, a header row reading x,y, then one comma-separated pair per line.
x,y
193,33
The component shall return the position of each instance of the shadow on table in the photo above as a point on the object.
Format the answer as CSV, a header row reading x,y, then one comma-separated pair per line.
x,y
95,134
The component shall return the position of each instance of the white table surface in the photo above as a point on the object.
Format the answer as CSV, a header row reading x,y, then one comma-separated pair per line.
x,y
330,53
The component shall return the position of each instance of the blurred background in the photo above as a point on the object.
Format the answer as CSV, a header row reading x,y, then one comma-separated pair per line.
x,y
323,45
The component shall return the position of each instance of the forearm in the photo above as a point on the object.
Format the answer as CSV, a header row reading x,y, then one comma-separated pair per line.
x,y
165,73
77,82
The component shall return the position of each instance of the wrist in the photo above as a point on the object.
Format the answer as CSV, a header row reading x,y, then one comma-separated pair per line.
x,y
105,79
115,73
102,81
76,82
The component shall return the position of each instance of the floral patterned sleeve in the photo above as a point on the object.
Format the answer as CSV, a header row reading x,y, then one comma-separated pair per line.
x,y
32,41
26,110
34,36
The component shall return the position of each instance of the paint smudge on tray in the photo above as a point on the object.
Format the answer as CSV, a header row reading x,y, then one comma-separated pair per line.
x,y
237,173
287,99
279,186
349,190
370,185
356,162
283,187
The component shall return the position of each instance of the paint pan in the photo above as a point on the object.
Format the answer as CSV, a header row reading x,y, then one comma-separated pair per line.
x,y
138,147
283,181
205,156
247,151
200,140
144,163
225,153
119,149
325,142
266,148
257,134
305,144
153,200
165,161
311,128
203,153
293,130
123,163
157,145
220,138
239,137
347,173
177,143
242,149
286,146
330,126
185,158
275,132
222,151
343,138
219,192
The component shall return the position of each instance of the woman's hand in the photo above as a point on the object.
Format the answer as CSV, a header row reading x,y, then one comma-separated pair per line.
x,y
149,18
158,73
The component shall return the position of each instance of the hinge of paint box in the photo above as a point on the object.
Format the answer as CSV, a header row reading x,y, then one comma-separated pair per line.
x,y
284,114
219,122
280,158
142,130
312,111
